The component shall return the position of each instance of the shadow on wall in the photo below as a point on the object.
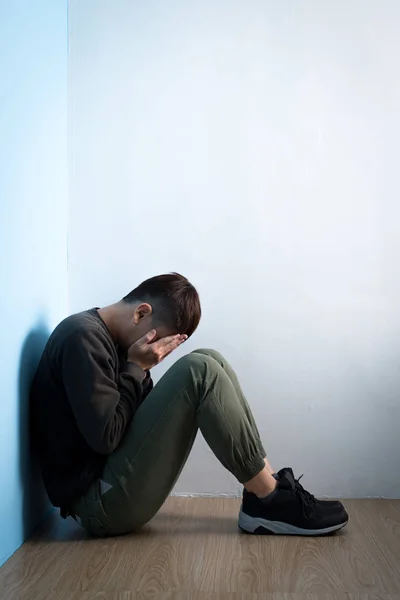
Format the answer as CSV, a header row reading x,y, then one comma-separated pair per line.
x,y
35,504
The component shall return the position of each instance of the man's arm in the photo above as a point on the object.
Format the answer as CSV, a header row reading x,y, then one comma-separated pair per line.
x,y
102,403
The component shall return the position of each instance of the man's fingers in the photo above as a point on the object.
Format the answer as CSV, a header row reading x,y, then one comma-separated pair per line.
x,y
146,339
170,340
168,353
167,350
168,344
149,353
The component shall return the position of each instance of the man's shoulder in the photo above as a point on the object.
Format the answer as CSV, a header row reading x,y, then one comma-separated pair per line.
x,y
83,324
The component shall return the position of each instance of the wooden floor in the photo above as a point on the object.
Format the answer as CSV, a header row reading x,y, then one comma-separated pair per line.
x,y
193,551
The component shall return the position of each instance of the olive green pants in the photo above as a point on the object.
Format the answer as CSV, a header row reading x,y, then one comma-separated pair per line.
x,y
200,391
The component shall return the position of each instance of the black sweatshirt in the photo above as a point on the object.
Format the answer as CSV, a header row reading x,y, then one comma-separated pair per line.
x,y
83,397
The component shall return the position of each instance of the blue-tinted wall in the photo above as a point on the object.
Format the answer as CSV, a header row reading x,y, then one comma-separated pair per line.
x,y
33,236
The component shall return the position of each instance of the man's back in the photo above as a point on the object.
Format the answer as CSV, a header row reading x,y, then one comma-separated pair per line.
x,y
69,464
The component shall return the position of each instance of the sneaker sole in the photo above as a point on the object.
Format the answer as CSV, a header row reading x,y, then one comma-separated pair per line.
x,y
259,526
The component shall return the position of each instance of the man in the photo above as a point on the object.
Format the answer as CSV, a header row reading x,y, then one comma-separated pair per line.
x,y
112,447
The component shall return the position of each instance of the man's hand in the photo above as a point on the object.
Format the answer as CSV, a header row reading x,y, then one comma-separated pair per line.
x,y
147,354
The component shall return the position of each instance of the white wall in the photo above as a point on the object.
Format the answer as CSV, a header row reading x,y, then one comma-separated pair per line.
x,y
33,236
253,146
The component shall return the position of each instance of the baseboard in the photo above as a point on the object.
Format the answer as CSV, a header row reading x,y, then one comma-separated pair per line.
x,y
203,495
235,495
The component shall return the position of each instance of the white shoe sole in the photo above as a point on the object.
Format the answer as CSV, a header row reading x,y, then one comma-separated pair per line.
x,y
263,526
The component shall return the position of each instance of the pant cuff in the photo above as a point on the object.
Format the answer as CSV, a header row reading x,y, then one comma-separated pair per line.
x,y
261,449
251,469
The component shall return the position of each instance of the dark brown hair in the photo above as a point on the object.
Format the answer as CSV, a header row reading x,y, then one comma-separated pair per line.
x,y
174,300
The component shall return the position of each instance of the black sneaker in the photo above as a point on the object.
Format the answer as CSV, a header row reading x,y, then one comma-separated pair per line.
x,y
334,503
290,510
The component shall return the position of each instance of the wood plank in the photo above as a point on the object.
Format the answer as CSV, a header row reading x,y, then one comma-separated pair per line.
x,y
192,550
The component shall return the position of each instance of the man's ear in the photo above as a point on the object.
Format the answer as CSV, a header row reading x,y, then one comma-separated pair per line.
x,y
141,311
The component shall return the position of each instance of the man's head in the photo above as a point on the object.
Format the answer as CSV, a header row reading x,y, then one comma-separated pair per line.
x,y
168,303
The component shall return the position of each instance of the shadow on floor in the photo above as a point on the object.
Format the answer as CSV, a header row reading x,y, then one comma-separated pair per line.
x,y
35,505
165,525
56,529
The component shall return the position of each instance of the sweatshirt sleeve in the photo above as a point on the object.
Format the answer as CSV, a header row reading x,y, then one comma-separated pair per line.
x,y
103,403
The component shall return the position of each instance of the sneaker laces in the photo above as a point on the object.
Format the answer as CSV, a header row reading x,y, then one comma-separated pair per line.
x,y
308,500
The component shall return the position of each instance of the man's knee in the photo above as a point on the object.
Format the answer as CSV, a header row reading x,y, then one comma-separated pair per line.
x,y
199,364
212,353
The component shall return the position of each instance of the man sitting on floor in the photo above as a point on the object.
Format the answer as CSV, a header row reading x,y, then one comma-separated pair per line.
x,y
111,446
